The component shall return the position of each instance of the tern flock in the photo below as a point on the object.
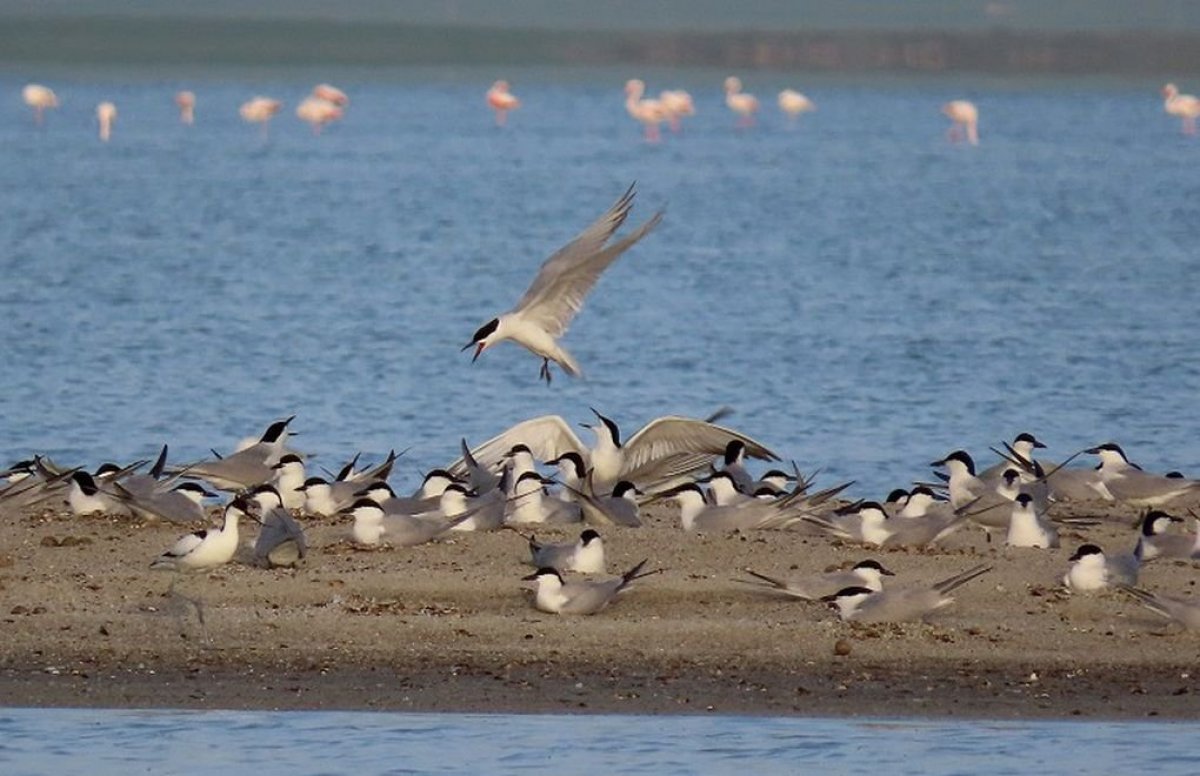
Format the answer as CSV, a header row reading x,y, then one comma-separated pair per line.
x,y
697,464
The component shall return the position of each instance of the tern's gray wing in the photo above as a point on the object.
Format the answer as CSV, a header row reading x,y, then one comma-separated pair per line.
x,y
171,506
585,244
900,605
1074,485
671,435
405,531
555,556
235,472
586,597
607,510
281,541
745,516
1137,487
1186,613
547,437
810,588
558,291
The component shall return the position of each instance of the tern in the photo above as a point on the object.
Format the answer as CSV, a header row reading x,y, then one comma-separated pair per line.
x,y
557,293
579,596
870,524
372,526
664,450
620,508
281,541
898,604
1091,570
247,467
1155,542
585,556
696,514
1180,610
181,504
867,573
1130,485
530,503
1028,526
206,549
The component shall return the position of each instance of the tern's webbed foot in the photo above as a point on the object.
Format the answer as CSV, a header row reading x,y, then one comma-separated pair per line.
x,y
544,373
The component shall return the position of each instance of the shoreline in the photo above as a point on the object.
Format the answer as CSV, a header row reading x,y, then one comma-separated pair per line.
x,y
448,627
1113,693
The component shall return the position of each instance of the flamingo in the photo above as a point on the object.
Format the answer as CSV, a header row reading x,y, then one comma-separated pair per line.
x,y
793,103
676,103
744,105
318,112
331,94
1185,106
259,110
501,100
650,112
106,114
39,98
965,121
187,107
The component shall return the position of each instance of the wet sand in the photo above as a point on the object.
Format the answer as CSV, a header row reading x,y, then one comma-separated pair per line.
x,y
450,627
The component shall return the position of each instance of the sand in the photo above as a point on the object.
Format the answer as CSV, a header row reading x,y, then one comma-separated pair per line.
x,y
450,627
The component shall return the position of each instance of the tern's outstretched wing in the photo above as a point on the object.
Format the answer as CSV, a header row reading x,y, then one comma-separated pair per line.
x,y
547,437
671,446
564,280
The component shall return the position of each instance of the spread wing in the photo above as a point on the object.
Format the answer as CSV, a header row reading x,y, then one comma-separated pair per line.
x,y
547,437
564,280
672,446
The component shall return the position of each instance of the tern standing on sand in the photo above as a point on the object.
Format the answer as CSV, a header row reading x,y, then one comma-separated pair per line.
x,y
558,291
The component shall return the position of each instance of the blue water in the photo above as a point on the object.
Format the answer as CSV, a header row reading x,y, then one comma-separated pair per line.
x,y
867,296
103,742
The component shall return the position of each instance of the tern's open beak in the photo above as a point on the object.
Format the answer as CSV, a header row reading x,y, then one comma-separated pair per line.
x,y
530,578
478,349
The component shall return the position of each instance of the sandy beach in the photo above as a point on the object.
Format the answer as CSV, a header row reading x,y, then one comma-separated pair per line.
x,y
450,627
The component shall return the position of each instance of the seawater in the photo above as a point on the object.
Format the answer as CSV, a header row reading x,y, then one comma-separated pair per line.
x,y
103,742
866,295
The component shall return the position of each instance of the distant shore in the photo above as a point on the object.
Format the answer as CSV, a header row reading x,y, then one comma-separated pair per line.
x,y
116,40
448,627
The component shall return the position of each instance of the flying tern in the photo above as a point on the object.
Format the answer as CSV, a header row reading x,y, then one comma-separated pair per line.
x,y
556,295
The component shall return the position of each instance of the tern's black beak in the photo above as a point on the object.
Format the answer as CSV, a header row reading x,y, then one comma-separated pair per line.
x,y
478,349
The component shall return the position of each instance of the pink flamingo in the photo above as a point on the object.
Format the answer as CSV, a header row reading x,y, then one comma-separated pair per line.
x,y
331,94
1185,106
744,105
318,112
649,112
40,98
793,103
106,114
964,118
259,110
676,104
501,100
187,107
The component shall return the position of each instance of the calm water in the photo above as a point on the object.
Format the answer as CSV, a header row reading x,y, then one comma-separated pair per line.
x,y
867,296
99,743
